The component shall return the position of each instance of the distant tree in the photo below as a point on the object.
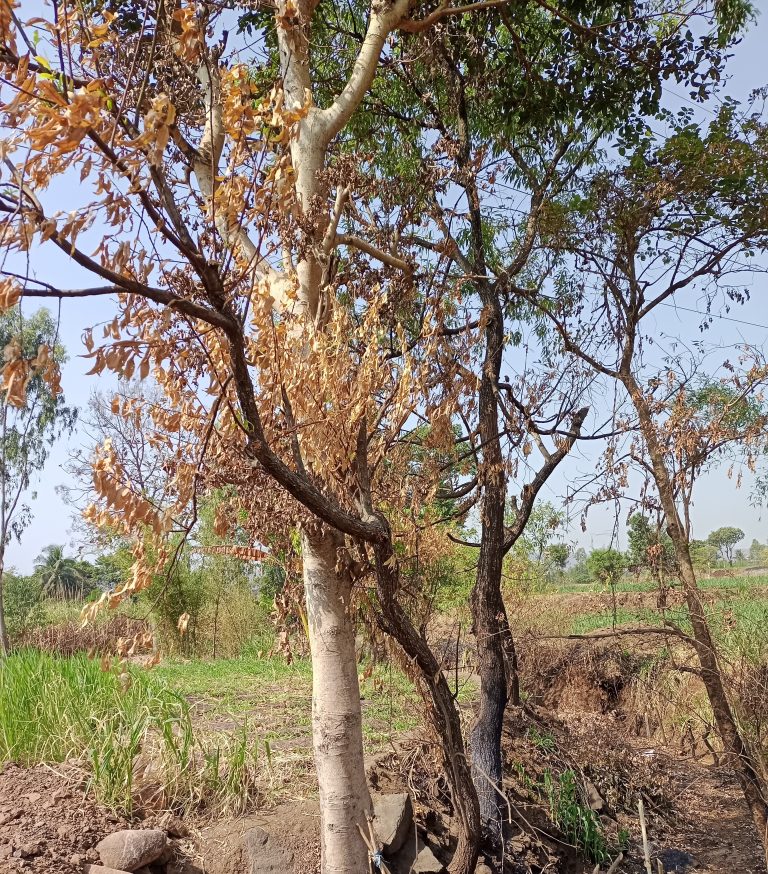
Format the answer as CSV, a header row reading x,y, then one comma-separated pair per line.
x,y
702,553
540,529
22,603
650,547
32,417
607,566
724,540
558,553
757,551
60,576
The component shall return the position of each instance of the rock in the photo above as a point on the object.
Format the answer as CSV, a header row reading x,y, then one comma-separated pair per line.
x,y
593,796
392,820
30,850
482,868
131,849
263,855
100,869
415,857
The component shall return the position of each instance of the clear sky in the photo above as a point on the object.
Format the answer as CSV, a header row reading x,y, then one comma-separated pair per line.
x,y
718,501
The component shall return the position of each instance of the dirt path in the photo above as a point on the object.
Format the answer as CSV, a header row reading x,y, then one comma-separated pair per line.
x,y
712,831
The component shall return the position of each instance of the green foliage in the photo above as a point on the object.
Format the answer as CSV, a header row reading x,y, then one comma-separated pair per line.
x,y
580,824
558,554
23,608
544,741
758,552
543,524
61,576
606,565
27,434
52,709
649,547
724,540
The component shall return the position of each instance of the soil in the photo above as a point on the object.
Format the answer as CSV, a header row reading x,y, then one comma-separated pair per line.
x,y
697,819
47,823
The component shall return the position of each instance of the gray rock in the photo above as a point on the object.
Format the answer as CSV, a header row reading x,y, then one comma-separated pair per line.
x,y
415,857
131,849
596,801
263,855
392,820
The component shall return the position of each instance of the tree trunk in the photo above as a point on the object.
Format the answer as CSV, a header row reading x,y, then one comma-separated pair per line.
x,y
743,761
487,604
442,713
5,644
337,731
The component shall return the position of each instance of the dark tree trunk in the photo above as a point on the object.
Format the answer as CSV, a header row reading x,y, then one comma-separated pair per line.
x,y
488,613
442,713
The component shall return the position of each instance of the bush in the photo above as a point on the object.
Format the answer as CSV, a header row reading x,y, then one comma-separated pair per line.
x,y
22,601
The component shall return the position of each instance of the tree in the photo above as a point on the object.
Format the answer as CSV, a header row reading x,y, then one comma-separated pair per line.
x,y
757,551
270,289
60,576
543,524
607,567
33,416
521,106
277,373
558,554
676,215
650,547
724,540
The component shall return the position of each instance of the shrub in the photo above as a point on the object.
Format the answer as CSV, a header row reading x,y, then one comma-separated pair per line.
x,y
23,610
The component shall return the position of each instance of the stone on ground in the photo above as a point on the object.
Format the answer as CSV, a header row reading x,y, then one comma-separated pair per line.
x,y
100,869
415,857
392,820
131,849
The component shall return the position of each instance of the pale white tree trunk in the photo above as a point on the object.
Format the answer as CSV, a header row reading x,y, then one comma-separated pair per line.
x,y
337,726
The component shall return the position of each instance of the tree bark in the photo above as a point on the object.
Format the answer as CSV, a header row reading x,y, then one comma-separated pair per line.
x,y
488,614
442,713
744,763
337,731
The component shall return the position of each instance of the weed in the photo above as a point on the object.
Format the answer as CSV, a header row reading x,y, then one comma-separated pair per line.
x,y
576,819
134,734
542,740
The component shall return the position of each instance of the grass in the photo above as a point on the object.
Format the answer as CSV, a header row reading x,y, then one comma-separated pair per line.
x,y
742,583
132,733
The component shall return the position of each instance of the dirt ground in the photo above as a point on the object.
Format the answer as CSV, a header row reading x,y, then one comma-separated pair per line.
x,y
697,819
48,824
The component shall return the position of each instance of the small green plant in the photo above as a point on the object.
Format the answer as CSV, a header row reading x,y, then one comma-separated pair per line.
x,y
576,819
542,740
623,839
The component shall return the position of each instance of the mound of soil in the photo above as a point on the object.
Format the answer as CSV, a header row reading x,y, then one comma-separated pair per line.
x,y
47,823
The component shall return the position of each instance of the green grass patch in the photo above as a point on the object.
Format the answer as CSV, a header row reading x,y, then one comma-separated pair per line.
x,y
132,732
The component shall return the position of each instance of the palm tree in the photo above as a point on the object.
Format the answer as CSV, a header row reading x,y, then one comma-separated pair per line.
x,y
59,575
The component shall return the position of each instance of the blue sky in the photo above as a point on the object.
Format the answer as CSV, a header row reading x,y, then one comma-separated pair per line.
x,y
718,500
